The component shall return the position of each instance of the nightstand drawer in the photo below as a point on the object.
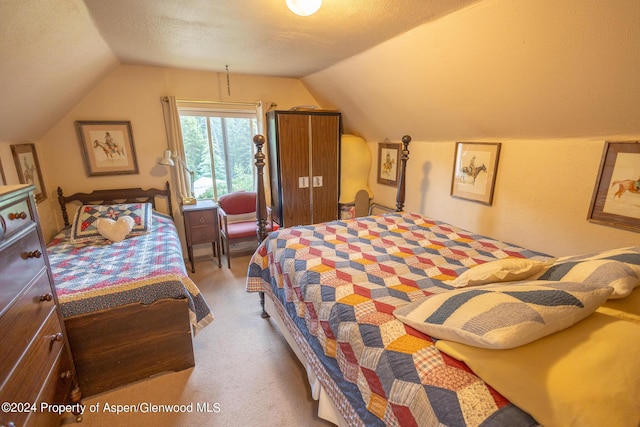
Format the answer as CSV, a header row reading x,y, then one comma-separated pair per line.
x,y
204,217
204,234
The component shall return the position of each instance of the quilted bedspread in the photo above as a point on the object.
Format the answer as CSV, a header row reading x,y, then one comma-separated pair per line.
x,y
99,275
341,281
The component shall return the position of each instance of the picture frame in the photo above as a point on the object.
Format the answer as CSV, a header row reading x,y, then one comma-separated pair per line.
x,y
475,167
28,168
388,163
3,180
616,194
107,147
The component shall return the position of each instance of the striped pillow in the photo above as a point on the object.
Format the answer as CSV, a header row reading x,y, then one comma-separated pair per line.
x,y
503,315
618,268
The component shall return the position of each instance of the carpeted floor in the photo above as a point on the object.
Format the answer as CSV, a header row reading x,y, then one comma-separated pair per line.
x,y
245,374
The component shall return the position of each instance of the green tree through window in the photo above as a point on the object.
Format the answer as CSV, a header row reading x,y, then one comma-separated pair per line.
x,y
219,150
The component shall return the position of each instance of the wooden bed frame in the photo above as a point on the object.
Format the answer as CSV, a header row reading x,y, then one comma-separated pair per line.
x,y
261,202
115,347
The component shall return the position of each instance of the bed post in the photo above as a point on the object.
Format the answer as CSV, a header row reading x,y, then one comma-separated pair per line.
x,y
403,170
167,190
63,207
261,203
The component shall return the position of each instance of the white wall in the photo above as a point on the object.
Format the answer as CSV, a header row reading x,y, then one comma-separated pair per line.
x,y
133,93
552,80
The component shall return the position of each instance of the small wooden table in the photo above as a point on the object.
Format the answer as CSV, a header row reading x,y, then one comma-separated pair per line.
x,y
201,226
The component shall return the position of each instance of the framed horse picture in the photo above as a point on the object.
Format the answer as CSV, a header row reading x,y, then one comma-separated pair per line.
x,y
474,171
28,168
616,195
388,159
107,147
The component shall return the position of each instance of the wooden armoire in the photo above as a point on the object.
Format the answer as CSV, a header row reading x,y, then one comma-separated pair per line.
x,y
304,165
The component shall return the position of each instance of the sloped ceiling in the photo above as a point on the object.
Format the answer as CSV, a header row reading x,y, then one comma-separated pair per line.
x,y
497,69
52,55
54,52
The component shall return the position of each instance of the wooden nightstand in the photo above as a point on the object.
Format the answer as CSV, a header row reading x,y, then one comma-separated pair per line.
x,y
201,226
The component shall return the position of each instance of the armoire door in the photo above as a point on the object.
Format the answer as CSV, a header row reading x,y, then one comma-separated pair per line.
x,y
293,152
325,137
304,166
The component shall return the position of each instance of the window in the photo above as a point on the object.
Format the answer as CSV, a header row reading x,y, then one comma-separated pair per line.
x,y
218,147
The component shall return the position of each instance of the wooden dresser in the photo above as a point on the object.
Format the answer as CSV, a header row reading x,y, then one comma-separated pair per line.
x,y
36,368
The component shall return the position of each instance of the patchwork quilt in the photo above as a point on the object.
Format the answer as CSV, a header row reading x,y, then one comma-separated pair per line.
x,y
97,275
339,284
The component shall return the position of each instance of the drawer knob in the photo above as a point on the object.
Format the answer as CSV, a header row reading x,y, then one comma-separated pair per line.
x,y
46,297
32,254
9,424
57,337
19,215
201,219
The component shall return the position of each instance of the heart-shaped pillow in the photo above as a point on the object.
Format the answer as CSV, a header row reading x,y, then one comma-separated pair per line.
x,y
115,231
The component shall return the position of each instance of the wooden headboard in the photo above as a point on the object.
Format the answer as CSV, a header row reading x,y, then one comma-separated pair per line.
x,y
115,196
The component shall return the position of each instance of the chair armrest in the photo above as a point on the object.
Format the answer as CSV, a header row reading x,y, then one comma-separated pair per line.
x,y
222,216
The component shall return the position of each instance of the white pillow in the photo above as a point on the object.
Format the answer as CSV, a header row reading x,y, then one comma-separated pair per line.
x,y
503,315
115,231
502,270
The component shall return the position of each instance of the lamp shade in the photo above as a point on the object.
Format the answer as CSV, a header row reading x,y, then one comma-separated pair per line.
x,y
166,159
304,7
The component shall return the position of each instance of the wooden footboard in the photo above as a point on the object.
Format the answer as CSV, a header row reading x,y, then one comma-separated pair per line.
x,y
115,347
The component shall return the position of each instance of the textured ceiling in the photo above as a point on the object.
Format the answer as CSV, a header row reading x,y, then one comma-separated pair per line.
x,y
55,51
254,36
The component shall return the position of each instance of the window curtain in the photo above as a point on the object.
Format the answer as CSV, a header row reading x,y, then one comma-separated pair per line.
x,y
175,144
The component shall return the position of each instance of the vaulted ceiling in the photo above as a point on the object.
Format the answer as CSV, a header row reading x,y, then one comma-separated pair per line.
x,y
54,52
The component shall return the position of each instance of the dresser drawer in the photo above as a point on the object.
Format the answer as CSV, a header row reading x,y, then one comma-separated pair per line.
x,y
30,374
22,320
15,216
19,263
56,390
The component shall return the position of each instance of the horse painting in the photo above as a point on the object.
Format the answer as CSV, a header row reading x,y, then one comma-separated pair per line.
x,y
473,171
109,151
630,185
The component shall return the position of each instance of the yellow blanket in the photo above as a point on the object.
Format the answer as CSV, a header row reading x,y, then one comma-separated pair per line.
x,y
625,308
586,375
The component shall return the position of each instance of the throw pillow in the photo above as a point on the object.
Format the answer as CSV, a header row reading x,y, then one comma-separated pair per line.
x,y
115,231
84,227
502,270
503,315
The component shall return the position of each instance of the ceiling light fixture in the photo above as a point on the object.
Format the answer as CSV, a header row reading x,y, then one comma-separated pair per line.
x,y
304,7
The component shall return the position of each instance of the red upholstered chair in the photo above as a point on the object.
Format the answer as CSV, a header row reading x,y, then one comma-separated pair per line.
x,y
237,212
